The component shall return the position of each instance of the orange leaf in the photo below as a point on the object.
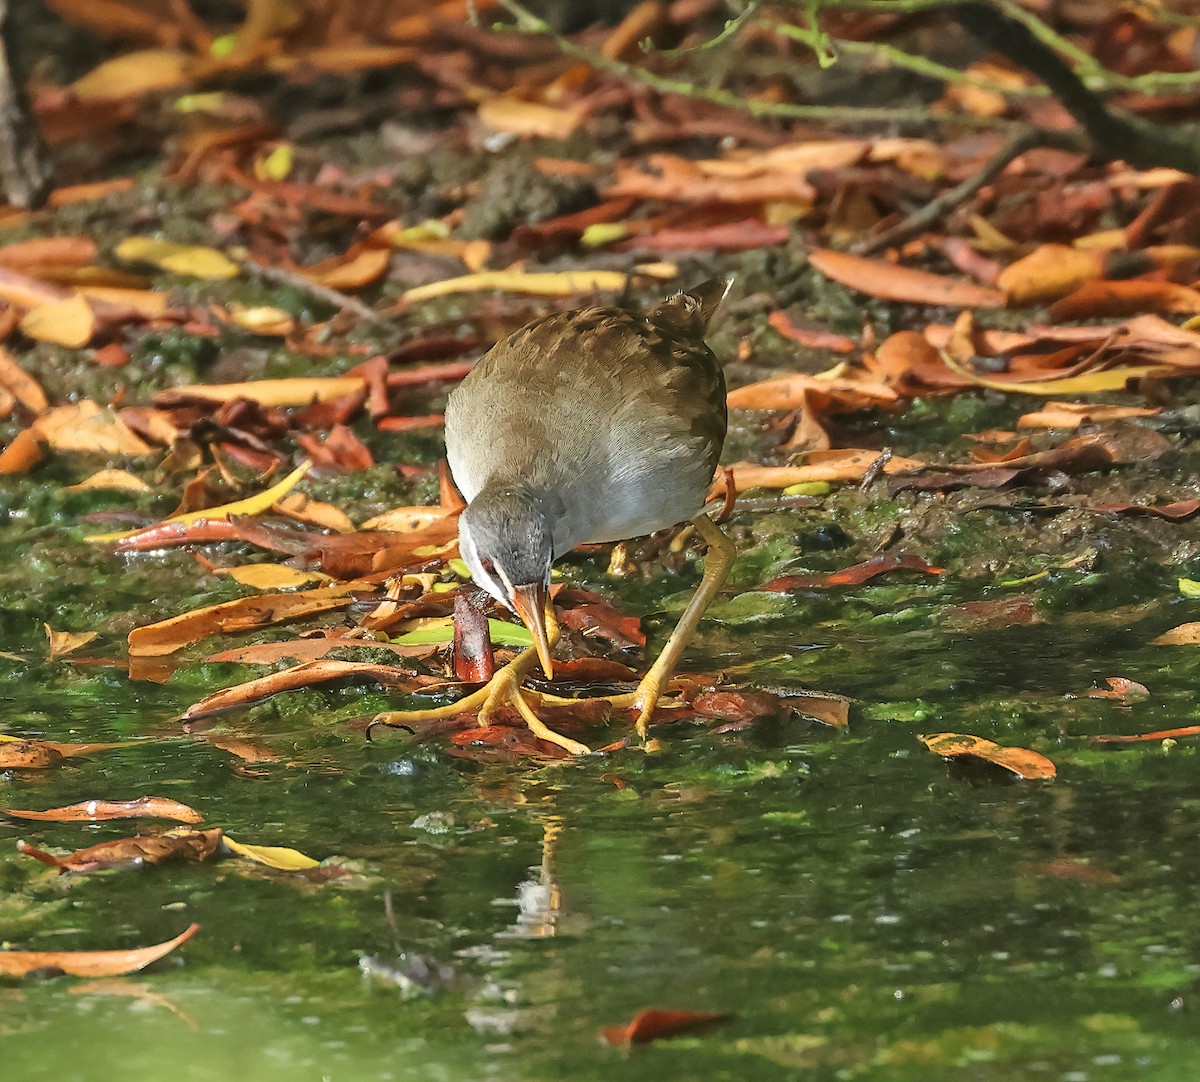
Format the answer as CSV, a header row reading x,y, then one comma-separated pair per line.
x,y
92,811
91,963
1125,298
354,270
22,454
890,281
1021,761
519,117
653,1024
1049,272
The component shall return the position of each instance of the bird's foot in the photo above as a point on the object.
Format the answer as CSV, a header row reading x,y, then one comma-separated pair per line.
x,y
502,689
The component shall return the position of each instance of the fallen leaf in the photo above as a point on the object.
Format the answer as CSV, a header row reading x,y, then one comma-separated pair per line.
x,y
1120,689
180,843
545,283
653,1024
296,391
270,576
93,811
310,649
86,428
273,856
22,453
1183,635
245,614
509,114
1050,271
23,386
17,753
14,963
308,674
1020,761
69,322
130,75
1125,298
355,270
115,480
66,642
890,281
187,260
1106,379
1174,512
251,505
1141,738
855,575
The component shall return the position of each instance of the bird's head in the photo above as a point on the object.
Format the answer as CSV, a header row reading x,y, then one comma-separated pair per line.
x,y
506,541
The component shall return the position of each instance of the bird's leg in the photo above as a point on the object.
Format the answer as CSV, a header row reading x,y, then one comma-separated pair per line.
x,y
503,687
717,563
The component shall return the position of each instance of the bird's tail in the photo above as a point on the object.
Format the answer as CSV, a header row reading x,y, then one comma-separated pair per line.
x,y
698,306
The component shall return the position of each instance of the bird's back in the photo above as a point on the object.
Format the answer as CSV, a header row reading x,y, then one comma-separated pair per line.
x,y
619,416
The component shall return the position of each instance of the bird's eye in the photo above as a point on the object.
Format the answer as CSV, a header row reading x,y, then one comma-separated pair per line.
x,y
488,568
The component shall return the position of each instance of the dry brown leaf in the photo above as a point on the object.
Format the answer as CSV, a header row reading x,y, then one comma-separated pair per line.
x,y
409,519
180,843
1183,635
90,963
244,614
295,678
1020,761
94,811
315,512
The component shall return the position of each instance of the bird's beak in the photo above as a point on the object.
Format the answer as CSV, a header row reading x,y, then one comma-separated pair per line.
x,y
530,604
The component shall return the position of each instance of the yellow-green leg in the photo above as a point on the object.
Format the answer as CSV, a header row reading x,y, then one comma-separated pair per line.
x,y
503,687
717,563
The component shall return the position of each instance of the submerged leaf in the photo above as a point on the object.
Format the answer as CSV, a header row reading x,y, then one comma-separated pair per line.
x,y
90,963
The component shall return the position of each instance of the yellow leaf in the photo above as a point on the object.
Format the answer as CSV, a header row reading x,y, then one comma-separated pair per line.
x,y
296,391
117,480
315,512
543,284
191,260
66,642
277,164
261,319
273,856
251,505
133,74
271,576
1107,379
69,322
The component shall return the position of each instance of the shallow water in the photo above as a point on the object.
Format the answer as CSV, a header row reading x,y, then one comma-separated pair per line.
x,y
860,908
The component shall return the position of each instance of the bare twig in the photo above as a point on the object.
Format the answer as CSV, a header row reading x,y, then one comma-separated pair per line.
x,y
944,204
282,276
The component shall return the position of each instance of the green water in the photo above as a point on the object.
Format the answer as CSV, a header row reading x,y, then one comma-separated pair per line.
x,y
860,908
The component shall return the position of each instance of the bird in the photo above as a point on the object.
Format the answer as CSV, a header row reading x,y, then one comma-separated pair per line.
x,y
592,425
